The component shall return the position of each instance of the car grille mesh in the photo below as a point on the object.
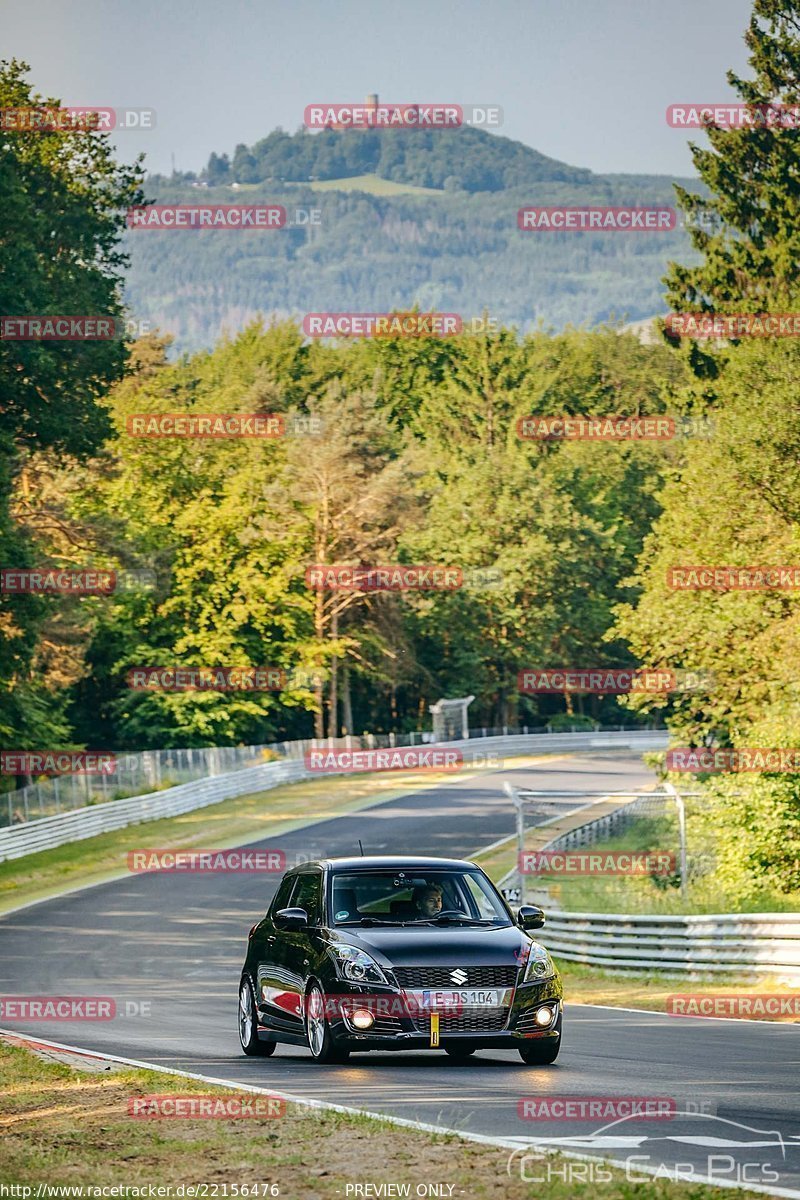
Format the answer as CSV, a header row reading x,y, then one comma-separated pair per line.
x,y
475,1020
439,977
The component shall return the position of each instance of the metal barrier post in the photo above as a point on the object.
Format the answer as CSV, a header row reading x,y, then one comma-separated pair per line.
x,y
681,806
513,794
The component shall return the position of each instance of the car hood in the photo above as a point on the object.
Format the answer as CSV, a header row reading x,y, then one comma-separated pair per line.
x,y
444,946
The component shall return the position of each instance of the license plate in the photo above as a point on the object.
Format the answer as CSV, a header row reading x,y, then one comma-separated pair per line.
x,y
455,997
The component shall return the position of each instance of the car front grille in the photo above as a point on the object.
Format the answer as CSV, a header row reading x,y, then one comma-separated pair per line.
x,y
440,977
476,1020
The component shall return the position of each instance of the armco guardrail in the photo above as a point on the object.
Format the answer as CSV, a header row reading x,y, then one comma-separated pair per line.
x,y
134,774
739,943
80,823
719,943
613,823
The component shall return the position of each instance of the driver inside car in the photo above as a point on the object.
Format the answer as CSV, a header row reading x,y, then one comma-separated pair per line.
x,y
428,900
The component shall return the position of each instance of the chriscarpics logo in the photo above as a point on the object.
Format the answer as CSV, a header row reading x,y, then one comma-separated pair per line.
x,y
690,1147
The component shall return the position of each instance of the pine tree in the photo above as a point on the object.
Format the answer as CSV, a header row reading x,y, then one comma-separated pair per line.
x,y
748,228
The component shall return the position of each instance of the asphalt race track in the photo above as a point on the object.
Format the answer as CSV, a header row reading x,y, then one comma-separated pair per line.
x,y
176,942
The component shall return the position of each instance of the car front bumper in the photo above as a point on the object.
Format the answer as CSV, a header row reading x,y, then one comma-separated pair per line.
x,y
400,1025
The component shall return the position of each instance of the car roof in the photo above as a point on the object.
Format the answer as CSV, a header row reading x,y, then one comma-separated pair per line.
x,y
392,862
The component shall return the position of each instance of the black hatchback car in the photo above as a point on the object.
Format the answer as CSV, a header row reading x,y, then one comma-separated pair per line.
x,y
397,954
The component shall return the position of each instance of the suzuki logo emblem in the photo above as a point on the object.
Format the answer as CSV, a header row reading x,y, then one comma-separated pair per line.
x,y
458,976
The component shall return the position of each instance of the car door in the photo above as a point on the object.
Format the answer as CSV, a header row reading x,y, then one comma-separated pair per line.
x,y
273,999
289,955
298,948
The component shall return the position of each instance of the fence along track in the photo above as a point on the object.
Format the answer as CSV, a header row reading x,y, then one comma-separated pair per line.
x,y
48,832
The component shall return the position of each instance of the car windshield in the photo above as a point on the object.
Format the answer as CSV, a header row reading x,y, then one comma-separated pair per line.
x,y
415,897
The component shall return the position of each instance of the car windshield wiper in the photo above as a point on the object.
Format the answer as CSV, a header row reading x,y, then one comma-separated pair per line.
x,y
459,921
369,921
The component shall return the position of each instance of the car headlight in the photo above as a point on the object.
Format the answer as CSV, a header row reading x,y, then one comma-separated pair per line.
x,y
356,965
540,965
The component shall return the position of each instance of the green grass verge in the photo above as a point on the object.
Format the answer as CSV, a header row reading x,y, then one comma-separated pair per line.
x,y
66,1127
627,989
659,896
650,989
375,185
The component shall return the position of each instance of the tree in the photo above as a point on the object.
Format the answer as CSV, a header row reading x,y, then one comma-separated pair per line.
x,y
748,228
63,200
355,493
214,519
560,525
734,503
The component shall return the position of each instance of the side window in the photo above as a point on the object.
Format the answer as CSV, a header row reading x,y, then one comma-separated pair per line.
x,y
281,897
308,895
480,901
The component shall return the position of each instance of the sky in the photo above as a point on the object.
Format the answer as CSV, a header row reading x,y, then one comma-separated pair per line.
x,y
584,81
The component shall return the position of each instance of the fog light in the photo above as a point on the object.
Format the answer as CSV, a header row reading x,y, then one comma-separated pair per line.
x,y
544,1016
362,1018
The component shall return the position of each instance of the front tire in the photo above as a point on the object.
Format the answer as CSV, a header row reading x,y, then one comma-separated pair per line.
x,y
539,1056
248,1024
318,1034
543,1051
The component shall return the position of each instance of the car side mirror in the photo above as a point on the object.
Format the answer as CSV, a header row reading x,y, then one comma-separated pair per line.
x,y
291,918
530,917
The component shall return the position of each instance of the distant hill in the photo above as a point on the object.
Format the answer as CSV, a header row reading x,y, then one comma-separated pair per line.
x,y
465,159
383,242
